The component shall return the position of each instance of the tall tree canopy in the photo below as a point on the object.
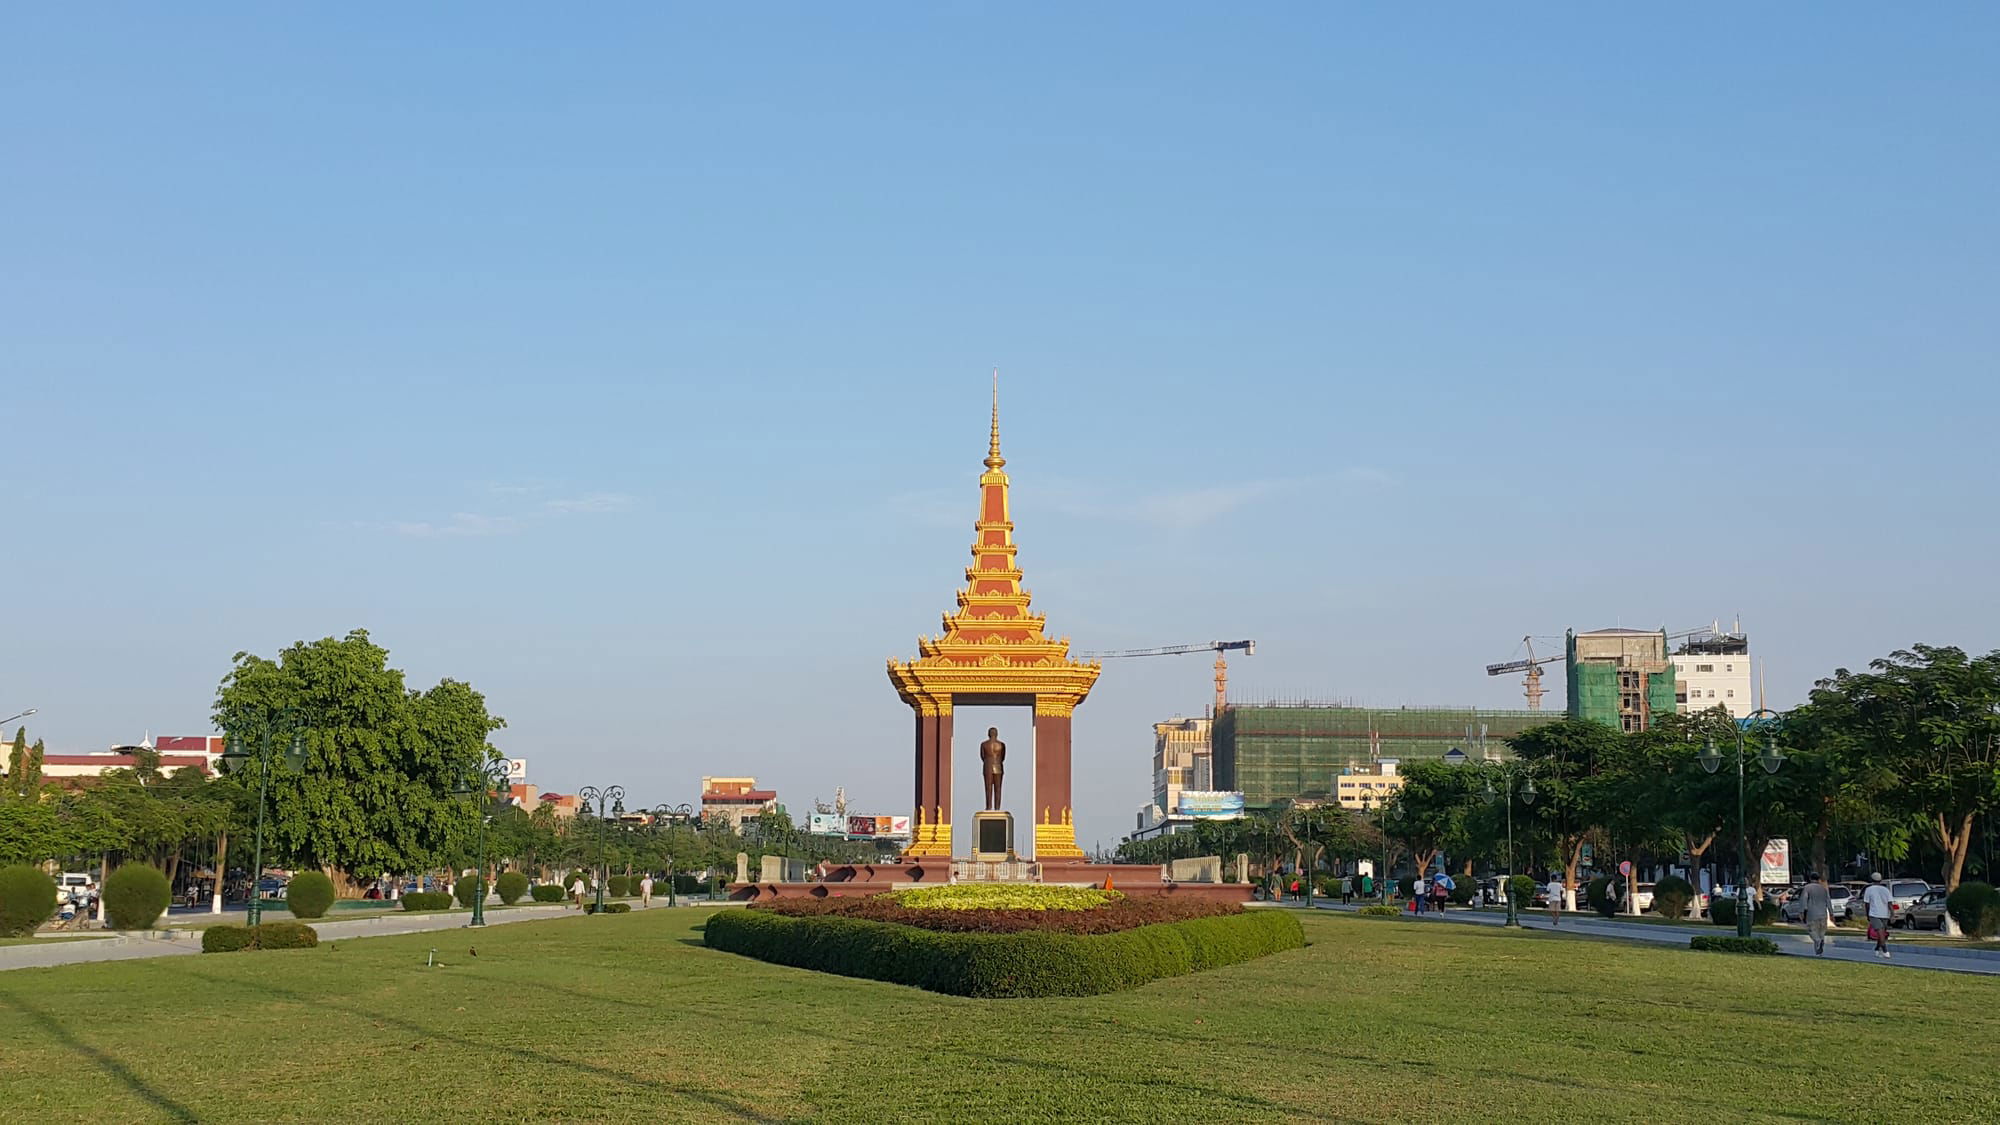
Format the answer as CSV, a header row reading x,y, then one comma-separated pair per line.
x,y
376,791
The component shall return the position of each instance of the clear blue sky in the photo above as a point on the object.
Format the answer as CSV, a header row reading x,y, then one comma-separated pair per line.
x,y
631,364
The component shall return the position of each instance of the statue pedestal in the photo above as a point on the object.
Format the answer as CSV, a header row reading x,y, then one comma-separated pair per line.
x,y
992,836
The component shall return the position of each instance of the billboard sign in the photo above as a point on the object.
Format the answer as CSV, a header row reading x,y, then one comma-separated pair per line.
x,y
1210,803
827,824
878,827
517,769
1776,866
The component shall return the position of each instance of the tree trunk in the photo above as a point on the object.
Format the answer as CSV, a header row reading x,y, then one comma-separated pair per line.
x,y
1955,845
1572,856
221,865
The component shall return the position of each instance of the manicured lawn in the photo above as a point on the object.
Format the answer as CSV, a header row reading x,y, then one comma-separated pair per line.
x,y
46,940
627,1017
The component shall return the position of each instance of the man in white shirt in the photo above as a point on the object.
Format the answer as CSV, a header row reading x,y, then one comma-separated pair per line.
x,y
1555,892
646,891
1876,899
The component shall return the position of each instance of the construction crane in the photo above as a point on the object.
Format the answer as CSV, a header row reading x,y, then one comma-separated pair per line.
x,y
1532,666
1247,648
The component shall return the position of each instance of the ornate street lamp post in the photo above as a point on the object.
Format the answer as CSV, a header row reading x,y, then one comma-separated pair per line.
x,y
1770,759
1508,790
613,795
671,815
480,780
290,720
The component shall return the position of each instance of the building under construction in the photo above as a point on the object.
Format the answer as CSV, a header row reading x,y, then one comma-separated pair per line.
x,y
1619,677
1280,752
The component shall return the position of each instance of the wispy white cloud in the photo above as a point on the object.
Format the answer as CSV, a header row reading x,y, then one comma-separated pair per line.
x,y
589,502
523,516
460,524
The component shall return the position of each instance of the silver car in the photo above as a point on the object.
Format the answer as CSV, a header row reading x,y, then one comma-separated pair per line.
x,y
1903,894
1927,913
1794,908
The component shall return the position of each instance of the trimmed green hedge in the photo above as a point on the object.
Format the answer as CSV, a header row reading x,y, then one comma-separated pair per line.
x,y
511,886
1975,906
1523,889
618,886
608,908
270,935
1597,896
309,894
468,889
548,892
427,900
1716,943
1671,896
135,896
1003,965
27,899
1378,911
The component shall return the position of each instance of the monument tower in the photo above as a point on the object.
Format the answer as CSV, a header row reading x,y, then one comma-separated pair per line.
x,y
993,652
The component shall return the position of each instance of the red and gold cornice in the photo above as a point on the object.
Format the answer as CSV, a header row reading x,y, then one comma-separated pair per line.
x,y
994,644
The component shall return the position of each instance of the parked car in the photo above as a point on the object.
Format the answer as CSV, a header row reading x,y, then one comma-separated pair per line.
x,y
1794,909
1643,894
1927,913
1903,894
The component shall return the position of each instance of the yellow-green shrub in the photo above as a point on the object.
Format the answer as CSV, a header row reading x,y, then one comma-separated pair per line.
x,y
1001,896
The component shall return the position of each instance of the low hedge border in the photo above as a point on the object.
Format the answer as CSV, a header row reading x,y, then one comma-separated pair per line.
x,y
269,935
1379,911
427,900
1003,965
1715,943
607,908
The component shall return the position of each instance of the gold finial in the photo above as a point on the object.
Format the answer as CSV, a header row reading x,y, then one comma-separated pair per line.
x,y
993,458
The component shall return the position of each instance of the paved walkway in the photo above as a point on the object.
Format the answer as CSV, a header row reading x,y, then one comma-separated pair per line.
x,y
1838,947
178,940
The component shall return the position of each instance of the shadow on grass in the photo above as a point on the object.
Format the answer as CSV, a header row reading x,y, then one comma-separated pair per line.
x,y
169,1108
525,1054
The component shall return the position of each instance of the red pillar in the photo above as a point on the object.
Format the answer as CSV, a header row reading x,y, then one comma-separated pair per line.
x,y
1051,768
933,770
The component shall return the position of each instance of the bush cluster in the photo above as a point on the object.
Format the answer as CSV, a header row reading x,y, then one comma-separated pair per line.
x,y
270,935
1671,896
1114,916
548,892
1003,965
1716,943
1976,909
468,890
1722,912
1522,887
1379,911
135,896
618,886
1597,896
1461,892
427,900
1406,886
309,894
1003,896
512,887
27,899
607,908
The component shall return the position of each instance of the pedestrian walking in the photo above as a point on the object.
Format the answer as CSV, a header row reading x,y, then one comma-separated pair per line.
x,y
1876,899
1417,887
1346,889
1555,895
1368,886
646,891
576,892
1819,910
1441,888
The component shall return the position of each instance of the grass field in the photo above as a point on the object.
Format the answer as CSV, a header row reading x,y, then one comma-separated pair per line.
x,y
626,1016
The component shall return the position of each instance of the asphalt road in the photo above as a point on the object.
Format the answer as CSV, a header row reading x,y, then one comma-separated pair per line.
x,y
1838,947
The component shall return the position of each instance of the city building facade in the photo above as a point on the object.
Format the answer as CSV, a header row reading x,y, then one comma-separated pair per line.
x,y
1619,677
733,800
1275,753
1368,788
1181,760
1713,670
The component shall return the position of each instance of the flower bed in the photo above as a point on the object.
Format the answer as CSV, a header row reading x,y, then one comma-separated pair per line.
x,y
1115,914
1003,896
1003,964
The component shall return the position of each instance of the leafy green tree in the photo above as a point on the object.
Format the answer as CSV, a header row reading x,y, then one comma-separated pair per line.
x,y
1566,755
1931,717
1434,801
17,764
382,761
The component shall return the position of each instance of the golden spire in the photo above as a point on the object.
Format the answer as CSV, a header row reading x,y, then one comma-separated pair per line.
x,y
993,458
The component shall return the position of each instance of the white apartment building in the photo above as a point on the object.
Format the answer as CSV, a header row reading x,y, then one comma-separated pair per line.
x,y
1713,670
1181,760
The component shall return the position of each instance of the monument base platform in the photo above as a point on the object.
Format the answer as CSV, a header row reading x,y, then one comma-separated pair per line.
x,y
860,880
